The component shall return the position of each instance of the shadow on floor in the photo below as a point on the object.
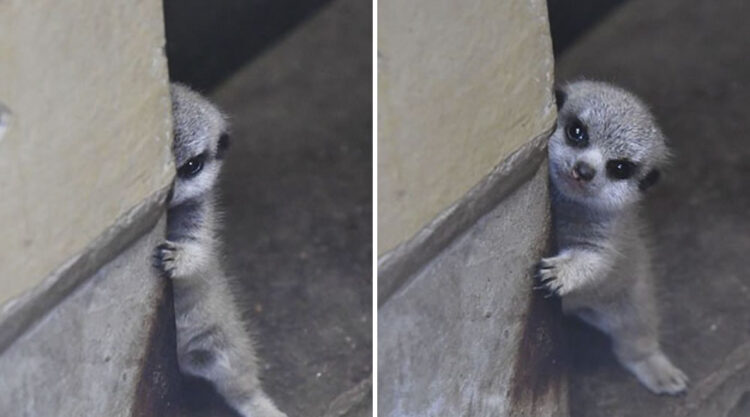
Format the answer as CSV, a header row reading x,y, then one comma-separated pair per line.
x,y
570,19
207,41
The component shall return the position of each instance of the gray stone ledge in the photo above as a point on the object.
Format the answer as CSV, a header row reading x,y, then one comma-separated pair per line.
x,y
18,314
397,265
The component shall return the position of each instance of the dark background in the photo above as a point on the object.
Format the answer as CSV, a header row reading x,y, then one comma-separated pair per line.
x,y
569,19
207,41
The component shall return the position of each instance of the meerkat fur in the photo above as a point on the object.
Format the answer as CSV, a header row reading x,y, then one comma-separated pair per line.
x,y
605,152
212,341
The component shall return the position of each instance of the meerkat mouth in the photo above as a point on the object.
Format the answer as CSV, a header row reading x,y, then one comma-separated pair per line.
x,y
566,174
577,185
568,183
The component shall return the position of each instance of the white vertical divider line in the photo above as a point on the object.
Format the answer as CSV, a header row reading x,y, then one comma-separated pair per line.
x,y
374,207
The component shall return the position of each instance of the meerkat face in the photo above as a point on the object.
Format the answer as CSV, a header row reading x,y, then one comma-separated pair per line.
x,y
606,149
200,140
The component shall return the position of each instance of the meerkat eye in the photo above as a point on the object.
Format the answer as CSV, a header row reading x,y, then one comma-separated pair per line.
x,y
192,167
620,169
576,134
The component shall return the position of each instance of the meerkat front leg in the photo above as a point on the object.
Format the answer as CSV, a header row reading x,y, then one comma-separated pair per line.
x,y
572,269
181,258
189,246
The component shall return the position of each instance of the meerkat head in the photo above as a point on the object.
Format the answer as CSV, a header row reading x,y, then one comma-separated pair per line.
x,y
606,149
200,140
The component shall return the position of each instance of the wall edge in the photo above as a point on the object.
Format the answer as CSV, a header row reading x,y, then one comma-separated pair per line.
x,y
398,264
20,313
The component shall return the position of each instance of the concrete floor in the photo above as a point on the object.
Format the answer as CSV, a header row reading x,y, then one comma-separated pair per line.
x,y
688,59
297,195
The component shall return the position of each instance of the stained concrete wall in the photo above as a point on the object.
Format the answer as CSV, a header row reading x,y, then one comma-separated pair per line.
x,y
85,151
466,336
461,86
103,351
84,85
466,106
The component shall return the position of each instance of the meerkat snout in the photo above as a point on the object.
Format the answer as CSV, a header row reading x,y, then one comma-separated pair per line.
x,y
583,171
607,147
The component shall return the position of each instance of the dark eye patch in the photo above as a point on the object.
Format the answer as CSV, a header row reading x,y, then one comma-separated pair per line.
x,y
222,146
576,134
560,97
649,180
620,169
192,167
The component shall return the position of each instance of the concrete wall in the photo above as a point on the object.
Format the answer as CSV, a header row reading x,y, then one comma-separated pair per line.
x,y
462,337
85,152
461,86
466,106
106,350
88,131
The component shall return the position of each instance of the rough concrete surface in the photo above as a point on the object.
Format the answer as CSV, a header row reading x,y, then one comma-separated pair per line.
x,y
461,337
396,266
297,197
688,60
89,133
462,85
85,358
21,312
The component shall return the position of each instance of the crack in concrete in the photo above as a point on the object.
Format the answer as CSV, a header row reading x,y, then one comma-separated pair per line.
x,y
711,386
352,402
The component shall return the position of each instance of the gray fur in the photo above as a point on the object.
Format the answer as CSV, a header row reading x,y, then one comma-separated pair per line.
x,y
602,267
212,342
184,220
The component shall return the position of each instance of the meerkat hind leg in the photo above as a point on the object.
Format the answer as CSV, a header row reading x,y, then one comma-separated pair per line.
x,y
636,346
259,405
242,392
207,356
657,373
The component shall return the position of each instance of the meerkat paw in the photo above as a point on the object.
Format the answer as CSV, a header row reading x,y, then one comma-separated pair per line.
x,y
658,374
181,259
260,406
551,277
167,258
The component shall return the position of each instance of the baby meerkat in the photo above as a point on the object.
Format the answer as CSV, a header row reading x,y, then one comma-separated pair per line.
x,y
605,152
212,341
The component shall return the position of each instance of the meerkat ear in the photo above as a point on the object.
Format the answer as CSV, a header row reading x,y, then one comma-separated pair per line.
x,y
222,146
650,179
560,96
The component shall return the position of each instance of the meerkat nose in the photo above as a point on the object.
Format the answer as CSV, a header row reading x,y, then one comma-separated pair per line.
x,y
583,171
